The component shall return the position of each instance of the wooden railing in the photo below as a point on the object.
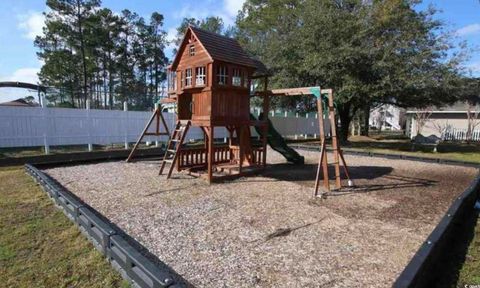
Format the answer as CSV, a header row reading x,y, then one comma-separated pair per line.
x,y
192,157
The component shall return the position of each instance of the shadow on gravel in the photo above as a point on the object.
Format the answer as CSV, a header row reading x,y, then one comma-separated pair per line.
x,y
307,172
306,175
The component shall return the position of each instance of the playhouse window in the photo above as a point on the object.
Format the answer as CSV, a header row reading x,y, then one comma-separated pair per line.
x,y
172,79
222,75
192,50
182,78
200,76
188,77
237,77
245,80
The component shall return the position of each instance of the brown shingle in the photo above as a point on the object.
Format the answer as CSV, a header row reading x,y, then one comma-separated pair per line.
x,y
223,48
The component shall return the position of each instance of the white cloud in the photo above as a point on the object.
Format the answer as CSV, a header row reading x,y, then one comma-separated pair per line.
x,y
233,6
32,24
171,35
227,11
469,29
473,67
28,75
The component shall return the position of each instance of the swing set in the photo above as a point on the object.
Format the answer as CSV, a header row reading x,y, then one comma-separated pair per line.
x,y
326,109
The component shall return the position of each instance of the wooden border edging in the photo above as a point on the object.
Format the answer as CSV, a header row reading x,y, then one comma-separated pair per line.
x,y
422,270
124,256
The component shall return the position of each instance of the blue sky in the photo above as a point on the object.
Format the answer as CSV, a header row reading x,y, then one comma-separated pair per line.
x,y
21,20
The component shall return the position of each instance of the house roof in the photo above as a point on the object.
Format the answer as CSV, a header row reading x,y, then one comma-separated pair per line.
x,y
458,107
219,48
19,103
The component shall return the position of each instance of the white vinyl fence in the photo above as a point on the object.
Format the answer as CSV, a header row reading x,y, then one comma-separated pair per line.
x,y
461,135
36,126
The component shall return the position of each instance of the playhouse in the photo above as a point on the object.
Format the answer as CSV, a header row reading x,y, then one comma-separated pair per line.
x,y
209,80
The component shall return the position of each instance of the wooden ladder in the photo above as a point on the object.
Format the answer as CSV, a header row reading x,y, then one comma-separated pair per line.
x,y
174,146
337,151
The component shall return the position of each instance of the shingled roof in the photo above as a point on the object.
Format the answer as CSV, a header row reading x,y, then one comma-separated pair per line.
x,y
223,48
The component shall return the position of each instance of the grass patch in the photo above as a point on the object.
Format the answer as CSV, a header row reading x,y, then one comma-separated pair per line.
x,y
18,152
39,246
446,150
470,271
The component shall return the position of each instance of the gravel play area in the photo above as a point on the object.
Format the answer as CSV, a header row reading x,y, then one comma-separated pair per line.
x,y
267,231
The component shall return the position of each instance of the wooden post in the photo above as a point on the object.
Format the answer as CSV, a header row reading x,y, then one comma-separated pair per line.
x,y
157,108
323,157
333,128
125,108
89,126
210,153
46,121
320,162
266,107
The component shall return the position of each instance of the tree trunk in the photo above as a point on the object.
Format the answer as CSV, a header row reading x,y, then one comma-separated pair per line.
x,y
366,120
82,51
345,119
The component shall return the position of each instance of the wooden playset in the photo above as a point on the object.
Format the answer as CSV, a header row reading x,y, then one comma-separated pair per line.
x,y
210,80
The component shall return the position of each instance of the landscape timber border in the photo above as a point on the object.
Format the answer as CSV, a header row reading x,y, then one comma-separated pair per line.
x,y
130,260
136,265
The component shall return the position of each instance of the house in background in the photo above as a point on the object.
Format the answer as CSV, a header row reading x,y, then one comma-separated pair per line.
x,y
448,123
387,117
20,103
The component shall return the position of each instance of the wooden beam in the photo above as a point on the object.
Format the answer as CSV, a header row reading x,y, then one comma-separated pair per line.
x,y
291,92
266,108
210,153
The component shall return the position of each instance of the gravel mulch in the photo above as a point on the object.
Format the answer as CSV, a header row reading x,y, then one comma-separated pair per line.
x,y
267,231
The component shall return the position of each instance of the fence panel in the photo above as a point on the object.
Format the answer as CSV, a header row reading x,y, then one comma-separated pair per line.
x,y
34,126
461,135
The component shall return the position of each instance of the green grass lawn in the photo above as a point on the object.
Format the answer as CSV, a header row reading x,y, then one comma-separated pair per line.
x,y
39,246
444,151
470,271
37,151
392,145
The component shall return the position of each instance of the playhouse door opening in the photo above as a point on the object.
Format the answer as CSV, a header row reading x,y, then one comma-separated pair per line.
x,y
185,106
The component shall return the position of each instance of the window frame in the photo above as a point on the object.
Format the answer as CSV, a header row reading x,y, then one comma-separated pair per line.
x,y
222,74
182,79
191,50
172,80
201,73
188,78
237,75
245,79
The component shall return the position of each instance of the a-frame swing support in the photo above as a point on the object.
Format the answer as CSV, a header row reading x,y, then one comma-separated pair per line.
x,y
337,151
323,164
157,117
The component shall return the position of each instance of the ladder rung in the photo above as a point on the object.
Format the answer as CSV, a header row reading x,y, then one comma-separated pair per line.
x,y
168,160
171,150
175,140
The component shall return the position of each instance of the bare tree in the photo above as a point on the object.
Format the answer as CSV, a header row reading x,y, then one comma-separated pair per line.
x,y
422,116
441,127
